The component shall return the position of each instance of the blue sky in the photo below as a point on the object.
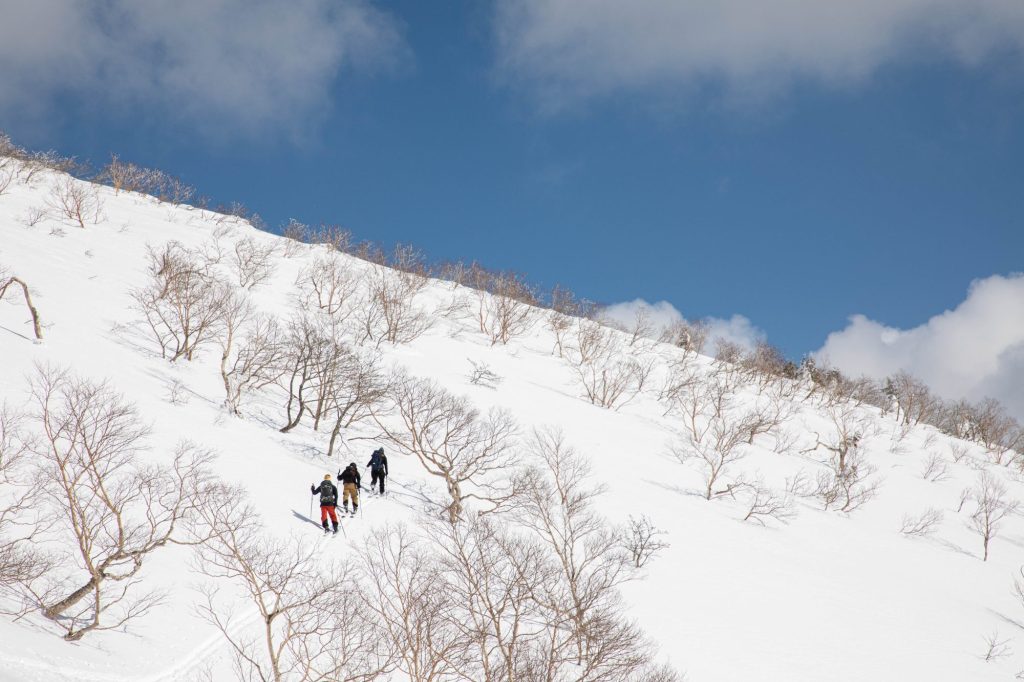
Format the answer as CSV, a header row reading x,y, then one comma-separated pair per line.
x,y
796,168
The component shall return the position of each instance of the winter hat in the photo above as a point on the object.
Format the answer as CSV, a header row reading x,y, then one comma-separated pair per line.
x,y
352,464
327,477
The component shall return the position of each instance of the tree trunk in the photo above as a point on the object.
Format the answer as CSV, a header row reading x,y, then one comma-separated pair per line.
x,y
36,324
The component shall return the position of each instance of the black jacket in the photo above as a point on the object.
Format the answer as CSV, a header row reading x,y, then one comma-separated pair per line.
x,y
328,494
350,475
382,465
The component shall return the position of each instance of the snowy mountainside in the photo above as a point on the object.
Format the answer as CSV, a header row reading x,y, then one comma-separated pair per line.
x,y
826,595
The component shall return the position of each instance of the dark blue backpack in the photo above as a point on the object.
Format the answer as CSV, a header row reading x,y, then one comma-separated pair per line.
x,y
377,460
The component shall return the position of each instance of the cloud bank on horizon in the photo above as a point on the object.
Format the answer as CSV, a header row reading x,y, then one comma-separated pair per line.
x,y
736,329
974,351
220,65
569,50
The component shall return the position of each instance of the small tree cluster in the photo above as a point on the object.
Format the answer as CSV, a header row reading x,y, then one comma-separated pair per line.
x,y
253,351
253,262
328,381
505,304
388,311
314,625
849,485
608,373
129,177
20,562
184,302
328,284
76,201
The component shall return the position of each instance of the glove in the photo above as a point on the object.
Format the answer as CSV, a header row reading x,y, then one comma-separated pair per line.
x,y
312,489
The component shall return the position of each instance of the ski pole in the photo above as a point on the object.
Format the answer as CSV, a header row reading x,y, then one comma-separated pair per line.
x,y
310,507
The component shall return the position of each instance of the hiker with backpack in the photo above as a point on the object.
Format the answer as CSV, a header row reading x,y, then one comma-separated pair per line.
x,y
328,501
378,468
350,486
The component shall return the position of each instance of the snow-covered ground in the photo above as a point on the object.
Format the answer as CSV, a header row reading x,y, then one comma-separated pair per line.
x,y
828,596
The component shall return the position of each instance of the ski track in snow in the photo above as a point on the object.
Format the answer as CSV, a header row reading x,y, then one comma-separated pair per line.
x,y
828,597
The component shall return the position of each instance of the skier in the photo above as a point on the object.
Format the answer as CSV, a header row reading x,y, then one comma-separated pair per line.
x,y
328,502
378,468
351,486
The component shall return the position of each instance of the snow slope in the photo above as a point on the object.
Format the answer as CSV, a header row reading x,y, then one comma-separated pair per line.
x,y
829,596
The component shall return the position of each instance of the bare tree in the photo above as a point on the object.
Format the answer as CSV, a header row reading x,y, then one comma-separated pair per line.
x,y
117,511
253,352
453,441
408,601
34,215
690,336
361,386
328,284
996,647
565,310
766,365
923,524
9,282
850,428
770,413
332,236
765,503
847,485
992,506
76,201
491,577
935,468
642,540
911,398
610,377
183,303
483,375
990,425
388,311
312,626
682,378
579,599
296,235
714,450
20,561
6,175
326,379
253,262
640,330
506,304
128,177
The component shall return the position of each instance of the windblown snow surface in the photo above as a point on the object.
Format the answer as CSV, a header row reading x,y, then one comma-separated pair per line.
x,y
829,596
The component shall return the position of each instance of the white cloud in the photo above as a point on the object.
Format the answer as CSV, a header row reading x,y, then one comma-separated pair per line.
x,y
736,329
240,65
571,49
975,350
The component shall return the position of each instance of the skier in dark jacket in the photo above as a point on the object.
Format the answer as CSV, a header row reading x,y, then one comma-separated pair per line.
x,y
378,468
350,486
328,501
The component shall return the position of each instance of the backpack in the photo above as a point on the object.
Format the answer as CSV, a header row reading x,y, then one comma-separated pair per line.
x,y
328,495
377,460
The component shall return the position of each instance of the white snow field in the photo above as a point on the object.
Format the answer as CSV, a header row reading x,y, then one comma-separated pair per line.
x,y
829,596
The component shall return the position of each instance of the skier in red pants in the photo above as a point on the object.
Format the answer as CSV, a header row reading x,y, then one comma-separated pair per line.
x,y
328,502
